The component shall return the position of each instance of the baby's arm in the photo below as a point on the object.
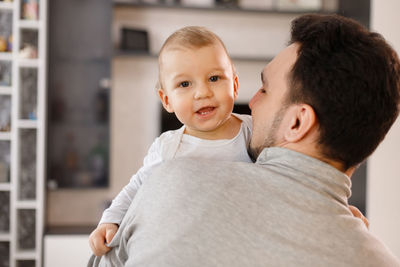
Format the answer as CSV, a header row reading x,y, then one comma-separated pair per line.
x,y
113,216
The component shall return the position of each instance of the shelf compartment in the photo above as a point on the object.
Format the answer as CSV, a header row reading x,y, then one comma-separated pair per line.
x,y
5,254
30,10
5,150
4,212
28,93
27,165
6,22
5,72
5,113
26,231
28,47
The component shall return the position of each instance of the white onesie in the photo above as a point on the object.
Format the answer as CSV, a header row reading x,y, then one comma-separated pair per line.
x,y
176,144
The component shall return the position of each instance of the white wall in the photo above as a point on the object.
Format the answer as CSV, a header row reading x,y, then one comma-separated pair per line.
x,y
383,186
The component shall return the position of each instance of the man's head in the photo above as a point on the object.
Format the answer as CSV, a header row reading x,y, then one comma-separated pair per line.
x,y
342,91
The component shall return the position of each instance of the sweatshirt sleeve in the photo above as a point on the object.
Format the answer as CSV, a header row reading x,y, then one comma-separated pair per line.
x,y
121,203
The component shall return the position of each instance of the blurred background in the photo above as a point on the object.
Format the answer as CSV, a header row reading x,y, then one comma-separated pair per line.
x,y
78,108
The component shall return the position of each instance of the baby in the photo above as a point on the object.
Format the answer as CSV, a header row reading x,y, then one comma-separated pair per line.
x,y
198,82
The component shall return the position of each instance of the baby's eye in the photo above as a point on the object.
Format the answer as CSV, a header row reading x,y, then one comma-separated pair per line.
x,y
184,84
214,78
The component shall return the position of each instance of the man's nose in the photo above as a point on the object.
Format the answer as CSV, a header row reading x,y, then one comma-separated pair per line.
x,y
203,91
253,100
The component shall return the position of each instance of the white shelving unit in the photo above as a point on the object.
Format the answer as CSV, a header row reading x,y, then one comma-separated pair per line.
x,y
21,237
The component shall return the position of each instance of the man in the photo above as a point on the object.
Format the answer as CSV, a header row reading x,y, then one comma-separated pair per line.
x,y
325,103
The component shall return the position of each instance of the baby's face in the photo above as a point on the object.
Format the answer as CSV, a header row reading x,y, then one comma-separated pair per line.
x,y
199,86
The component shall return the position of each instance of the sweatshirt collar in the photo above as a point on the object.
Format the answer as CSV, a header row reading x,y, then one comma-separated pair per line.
x,y
308,171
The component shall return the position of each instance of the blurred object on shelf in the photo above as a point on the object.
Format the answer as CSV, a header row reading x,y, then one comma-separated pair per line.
x,y
5,73
103,100
30,10
135,40
299,5
5,31
4,162
28,51
256,4
29,44
3,44
5,113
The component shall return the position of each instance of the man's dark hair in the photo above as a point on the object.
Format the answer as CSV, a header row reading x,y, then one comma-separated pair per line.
x,y
351,77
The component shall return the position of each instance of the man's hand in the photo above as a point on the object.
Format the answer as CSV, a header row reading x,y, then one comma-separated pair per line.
x,y
103,234
357,213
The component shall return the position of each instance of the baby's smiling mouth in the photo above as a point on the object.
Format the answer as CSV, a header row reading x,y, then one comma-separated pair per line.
x,y
205,110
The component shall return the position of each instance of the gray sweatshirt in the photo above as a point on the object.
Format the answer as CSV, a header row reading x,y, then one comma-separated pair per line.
x,y
288,209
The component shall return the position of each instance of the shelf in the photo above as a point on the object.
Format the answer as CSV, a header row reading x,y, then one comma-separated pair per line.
x,y
27,124
26,204
6,5
6,56
121,53
28,63
29,24
26,255
218,8
5,237
5,136
5,90
5,187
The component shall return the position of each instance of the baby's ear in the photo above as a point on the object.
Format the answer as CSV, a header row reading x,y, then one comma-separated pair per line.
x,y
165,101
235,86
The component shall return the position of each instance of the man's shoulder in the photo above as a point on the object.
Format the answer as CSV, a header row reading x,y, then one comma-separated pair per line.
x,y
375,253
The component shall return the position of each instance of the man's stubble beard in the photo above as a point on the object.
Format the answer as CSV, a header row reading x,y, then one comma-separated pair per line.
x,y
271,137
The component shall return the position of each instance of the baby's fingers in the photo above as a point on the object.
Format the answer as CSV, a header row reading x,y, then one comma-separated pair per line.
x,y
98,246
110,233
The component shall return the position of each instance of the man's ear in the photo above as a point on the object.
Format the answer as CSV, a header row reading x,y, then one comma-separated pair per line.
x,y
165,101
235,86
302,119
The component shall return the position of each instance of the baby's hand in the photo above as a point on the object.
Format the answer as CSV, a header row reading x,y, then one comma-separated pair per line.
x,y
103,234
357,213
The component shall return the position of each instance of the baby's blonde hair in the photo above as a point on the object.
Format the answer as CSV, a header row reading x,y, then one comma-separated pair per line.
x,y
190,37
